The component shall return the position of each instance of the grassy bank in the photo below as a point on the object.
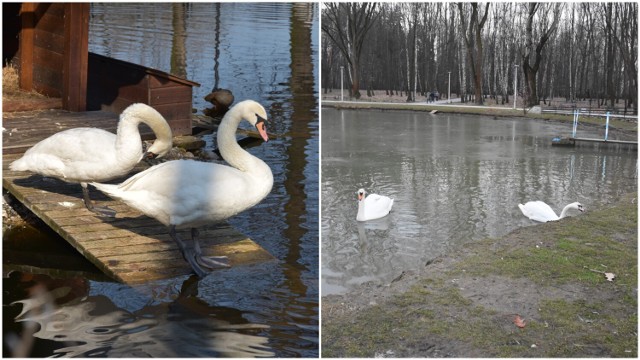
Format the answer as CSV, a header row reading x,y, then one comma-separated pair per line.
x,y
465,304
614,123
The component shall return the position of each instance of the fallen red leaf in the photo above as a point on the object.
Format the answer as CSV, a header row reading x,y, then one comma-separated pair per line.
x,y
519,321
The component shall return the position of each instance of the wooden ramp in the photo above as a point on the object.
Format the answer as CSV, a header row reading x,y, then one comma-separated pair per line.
x,y
131,247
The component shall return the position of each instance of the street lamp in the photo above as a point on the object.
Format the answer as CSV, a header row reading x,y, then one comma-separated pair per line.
x,y
515,86
449,96
341,83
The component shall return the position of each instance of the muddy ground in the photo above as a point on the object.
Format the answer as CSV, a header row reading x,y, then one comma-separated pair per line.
x,y
549,276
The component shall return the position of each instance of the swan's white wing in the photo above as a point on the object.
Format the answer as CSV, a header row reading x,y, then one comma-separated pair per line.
x,y
188,192
538,211
80,154
377,206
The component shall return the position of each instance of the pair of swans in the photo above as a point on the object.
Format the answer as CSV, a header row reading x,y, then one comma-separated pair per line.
x,y
189,194
377,206
82,155
541,212
373,206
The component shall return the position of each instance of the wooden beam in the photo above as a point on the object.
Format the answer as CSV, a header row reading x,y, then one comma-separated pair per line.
x,y
76,56
27,16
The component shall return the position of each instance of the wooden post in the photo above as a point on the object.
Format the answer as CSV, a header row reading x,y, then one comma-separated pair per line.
x,y
27,16
76,56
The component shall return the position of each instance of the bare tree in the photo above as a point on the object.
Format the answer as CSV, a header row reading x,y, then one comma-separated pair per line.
x,y
472,34
532,54
347,24
626,37
579,51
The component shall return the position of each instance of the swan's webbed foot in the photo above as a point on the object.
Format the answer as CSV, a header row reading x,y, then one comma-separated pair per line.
x,y
102,211
99,210
211,262
201,265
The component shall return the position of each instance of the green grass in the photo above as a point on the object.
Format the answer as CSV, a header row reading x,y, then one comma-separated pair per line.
x,y
597,317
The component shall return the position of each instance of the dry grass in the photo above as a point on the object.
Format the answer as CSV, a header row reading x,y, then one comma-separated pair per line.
x,y
10,80
11,84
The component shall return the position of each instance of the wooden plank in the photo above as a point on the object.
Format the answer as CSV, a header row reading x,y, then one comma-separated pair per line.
x,y
27,14
170,95
76,56
51,22
47,58
131,247
606,141
50,41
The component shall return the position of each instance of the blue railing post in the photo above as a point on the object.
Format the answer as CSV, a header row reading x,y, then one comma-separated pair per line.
x,y
606,128
575,123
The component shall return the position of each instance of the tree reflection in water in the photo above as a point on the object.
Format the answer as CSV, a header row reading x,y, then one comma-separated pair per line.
x,y
93,325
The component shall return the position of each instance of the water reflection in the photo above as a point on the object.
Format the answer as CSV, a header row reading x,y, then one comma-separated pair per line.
x,y
178,324
454,179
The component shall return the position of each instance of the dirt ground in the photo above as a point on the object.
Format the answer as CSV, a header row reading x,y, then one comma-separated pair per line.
x,y
547,277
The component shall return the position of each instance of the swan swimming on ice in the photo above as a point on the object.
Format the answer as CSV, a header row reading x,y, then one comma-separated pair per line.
x,y
83,155
189,194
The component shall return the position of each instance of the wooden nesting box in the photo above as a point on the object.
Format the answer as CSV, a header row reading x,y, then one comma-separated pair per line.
x,y
55,61
115,84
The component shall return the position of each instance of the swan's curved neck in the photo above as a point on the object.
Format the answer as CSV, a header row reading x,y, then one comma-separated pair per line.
x,y
564,211
360,208
128,141
231,152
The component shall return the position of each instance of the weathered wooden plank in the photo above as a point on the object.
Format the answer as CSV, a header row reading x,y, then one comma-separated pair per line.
x,y
27,38
170,95
50,41
76,56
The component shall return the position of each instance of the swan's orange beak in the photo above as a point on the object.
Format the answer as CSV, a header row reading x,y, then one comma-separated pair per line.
x,y
262,130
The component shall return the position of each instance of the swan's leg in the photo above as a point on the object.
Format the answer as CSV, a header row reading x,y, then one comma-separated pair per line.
x,y
100,210
189,254
211,262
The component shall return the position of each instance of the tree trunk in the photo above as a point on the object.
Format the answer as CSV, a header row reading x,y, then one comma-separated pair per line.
x,y
532,55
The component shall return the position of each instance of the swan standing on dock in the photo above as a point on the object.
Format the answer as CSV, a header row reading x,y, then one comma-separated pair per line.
x,y
373,206
83,155
189,194
540,211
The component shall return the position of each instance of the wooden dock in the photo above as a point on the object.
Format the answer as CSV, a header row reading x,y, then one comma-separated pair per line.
x,y
131,247
603,141
571,141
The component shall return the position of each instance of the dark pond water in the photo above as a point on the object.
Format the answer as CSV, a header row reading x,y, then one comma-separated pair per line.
x,y
266,52
454,178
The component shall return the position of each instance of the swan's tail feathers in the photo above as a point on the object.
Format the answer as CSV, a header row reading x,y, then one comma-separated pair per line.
x,y
18,165
44,164
113,191
524,211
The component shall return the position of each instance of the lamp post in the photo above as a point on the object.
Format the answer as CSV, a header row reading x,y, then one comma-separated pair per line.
x,y
341,83
449,96
515,86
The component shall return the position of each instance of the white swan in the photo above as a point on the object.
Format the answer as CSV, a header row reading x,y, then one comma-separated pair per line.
x,y
82,155
189,194
540,211
373,206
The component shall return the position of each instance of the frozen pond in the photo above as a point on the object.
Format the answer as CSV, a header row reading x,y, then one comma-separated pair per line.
x,y
454,178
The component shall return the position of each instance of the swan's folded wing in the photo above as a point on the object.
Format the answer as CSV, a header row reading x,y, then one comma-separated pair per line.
x,y
538,211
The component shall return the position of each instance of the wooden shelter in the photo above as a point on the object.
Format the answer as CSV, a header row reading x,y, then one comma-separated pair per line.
x,y
54,60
